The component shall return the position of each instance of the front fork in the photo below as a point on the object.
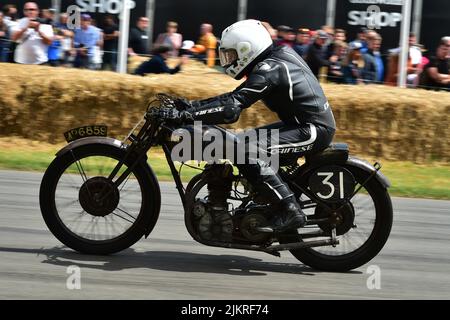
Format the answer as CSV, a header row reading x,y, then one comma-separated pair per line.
x,y
176,175
140,145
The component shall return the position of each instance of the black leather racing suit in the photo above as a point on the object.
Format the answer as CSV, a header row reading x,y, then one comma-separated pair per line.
x,y
284,82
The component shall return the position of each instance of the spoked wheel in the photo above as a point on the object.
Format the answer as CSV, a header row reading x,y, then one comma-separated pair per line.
x,y
362,227
90,213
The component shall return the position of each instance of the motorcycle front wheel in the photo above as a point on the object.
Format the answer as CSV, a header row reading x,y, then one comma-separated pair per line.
x,y
86,211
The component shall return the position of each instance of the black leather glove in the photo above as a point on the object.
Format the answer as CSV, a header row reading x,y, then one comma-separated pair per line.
x,y
180,117
182,104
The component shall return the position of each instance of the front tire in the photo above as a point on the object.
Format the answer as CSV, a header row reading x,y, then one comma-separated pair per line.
x,y
144,221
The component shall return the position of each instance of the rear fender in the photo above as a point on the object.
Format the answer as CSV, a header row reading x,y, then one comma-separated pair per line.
x,y
367,167
351,161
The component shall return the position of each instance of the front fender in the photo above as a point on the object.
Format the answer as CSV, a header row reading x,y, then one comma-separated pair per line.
x,y
366,166
90,140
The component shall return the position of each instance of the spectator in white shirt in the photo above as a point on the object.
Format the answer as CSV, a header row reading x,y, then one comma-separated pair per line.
x,y
33,37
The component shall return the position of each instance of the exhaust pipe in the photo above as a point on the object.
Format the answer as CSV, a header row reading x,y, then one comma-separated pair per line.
x,y
301,245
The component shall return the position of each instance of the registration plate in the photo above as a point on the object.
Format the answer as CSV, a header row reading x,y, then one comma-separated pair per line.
x,y
86,131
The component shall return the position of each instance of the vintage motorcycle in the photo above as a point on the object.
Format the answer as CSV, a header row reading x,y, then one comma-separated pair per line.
x,y
100,196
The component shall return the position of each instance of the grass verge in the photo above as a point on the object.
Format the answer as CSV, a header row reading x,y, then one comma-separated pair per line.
x,y
408,179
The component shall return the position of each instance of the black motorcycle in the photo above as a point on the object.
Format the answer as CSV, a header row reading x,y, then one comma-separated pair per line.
x,y
100,196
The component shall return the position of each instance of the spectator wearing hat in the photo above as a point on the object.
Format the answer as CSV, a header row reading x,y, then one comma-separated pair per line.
x,y
33,37
316,56
302,42
171,39
286,36
157,64
282,31
85,41
353,64
186,48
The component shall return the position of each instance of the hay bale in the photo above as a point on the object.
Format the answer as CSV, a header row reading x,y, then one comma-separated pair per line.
x,y
39,102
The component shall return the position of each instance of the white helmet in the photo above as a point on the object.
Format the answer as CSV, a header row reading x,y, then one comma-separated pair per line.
x,y
241,44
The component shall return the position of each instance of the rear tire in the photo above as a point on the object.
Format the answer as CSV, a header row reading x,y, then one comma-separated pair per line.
x,y
369,249
144,223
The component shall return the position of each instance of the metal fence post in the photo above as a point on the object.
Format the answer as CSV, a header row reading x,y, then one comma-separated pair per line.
x,y
404,43
123,37
242,10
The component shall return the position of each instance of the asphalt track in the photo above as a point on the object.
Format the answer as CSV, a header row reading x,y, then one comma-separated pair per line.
x,y
415,263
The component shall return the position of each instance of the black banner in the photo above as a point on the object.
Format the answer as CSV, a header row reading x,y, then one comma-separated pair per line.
x,y
435,23
305,14
191,14
383,16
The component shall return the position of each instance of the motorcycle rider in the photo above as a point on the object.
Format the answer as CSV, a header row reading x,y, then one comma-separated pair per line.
x,y
283,81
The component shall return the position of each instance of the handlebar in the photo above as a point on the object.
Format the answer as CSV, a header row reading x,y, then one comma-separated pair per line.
x,y
167,107
178,103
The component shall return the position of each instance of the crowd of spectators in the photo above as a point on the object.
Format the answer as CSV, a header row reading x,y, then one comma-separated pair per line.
x,y
333,58
38,38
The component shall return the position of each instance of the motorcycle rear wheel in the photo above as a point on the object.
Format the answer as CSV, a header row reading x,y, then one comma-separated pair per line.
x,y
383,217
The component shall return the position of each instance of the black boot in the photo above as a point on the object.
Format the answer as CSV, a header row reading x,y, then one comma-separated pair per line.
x,y
290,217
287,212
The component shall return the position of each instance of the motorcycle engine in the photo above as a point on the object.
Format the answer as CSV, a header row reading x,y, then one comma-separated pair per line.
x,y
212,219
213,224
